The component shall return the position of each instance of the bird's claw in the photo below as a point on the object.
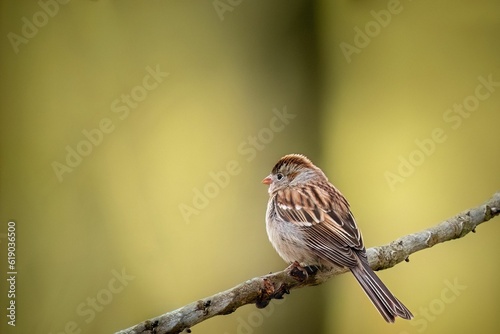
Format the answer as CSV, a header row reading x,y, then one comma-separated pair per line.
x,y
300,273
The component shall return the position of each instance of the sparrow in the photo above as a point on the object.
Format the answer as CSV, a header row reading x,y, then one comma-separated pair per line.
x,y
309,221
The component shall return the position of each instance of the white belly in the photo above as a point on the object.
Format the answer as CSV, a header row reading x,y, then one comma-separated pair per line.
x,y
288,241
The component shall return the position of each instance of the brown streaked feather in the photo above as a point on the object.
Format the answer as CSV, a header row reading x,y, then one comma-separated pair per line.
x,y
324,213
385,302
293,159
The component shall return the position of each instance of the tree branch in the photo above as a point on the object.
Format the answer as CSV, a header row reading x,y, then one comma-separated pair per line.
x,y
259,290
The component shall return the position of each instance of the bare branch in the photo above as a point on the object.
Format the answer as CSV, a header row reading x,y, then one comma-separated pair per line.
x,y
259,290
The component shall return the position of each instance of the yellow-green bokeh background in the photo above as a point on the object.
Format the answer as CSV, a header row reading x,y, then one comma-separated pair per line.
x,y
119,209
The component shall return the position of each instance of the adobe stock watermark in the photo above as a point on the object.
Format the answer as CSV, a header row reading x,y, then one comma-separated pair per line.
x,y
88,309
372,29
223,6
248,149
121,106
429,313
453,117
31,26
256,318
11,272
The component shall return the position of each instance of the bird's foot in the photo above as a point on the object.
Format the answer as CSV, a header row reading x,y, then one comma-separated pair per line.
x,y
300,273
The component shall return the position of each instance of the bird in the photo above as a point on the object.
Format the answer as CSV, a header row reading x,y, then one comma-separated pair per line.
x,y
309,222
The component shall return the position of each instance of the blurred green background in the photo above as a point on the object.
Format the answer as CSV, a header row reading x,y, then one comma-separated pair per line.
x,y
164,100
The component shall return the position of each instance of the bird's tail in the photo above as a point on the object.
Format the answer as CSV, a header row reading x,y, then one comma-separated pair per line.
x,y
385,302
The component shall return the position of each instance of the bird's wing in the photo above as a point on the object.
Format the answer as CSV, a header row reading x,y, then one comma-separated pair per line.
x,y
324,215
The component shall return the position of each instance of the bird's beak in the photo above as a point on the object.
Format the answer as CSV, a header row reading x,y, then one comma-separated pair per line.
x,y
267,180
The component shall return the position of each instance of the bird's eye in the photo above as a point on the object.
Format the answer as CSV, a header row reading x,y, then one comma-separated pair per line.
x,y
279,176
